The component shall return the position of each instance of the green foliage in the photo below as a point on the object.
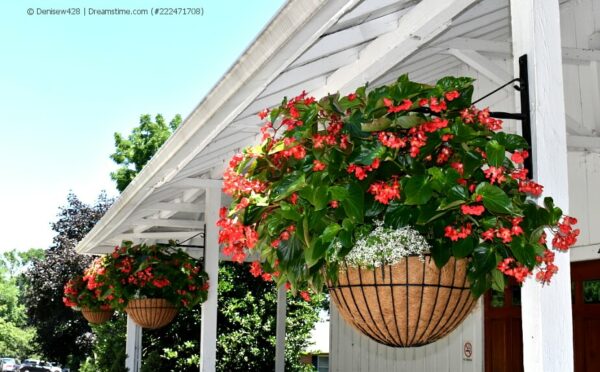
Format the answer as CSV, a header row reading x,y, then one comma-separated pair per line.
x,y
133,152
246,323
16,341
246,328
109,346
16,338
10,308
409,154
14,262
62,334
166,272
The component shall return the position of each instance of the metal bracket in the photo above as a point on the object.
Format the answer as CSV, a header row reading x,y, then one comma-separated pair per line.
x,y
195,246
525,115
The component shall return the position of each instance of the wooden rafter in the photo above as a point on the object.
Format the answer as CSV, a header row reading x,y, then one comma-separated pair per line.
x,y
418,26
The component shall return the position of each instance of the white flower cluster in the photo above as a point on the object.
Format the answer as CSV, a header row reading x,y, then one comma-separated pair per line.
x,y
386,246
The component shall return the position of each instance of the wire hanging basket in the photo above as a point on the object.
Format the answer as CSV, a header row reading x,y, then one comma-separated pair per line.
x,y
151,313
96,316
411,303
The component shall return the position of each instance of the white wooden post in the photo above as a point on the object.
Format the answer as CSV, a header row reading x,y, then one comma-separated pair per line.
x,y
546,311
133,346
280,330
208,331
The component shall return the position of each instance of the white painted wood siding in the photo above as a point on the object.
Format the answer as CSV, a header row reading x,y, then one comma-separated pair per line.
x,y
351,351
579,20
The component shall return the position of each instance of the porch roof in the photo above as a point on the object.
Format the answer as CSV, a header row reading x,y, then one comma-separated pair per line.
x,y
315,45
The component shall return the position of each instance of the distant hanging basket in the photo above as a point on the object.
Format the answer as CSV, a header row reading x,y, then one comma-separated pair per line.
x,y
151,313
411,303
96,316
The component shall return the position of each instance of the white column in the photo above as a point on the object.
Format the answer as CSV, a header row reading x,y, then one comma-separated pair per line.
x,y
280,330
546,311
133,346
208,332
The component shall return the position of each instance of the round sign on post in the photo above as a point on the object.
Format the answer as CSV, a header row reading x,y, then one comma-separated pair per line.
x,y
467,351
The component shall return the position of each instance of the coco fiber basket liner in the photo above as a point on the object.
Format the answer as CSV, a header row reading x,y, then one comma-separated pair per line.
x,y
96,316
151,313
411,303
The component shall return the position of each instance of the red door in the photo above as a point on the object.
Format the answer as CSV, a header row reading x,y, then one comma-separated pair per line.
x,y
503,333
585,277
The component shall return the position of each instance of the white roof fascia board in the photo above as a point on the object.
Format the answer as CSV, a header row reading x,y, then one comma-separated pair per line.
x,y
297,26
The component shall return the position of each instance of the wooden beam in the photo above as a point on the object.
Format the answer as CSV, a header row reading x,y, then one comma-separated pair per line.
x,y
314,69
575,128
350,37
169,235
188,196
175,207
156,222
249,116
583,142
480,45
546,310
196,183
505,47
580,54
482,64
417,27
370,9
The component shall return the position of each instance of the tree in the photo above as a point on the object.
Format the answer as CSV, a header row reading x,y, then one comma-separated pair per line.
x,y
16,339
109,346
13,261
139,147
62,334
247,305
246,328
247,321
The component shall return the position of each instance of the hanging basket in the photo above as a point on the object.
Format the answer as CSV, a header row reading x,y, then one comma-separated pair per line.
x,y
96,316
411,303
151,313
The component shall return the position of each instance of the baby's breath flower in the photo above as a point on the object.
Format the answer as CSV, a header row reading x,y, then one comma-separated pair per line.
x,y
386,246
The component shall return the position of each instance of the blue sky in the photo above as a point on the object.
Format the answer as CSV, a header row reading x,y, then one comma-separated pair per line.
x,y
67,83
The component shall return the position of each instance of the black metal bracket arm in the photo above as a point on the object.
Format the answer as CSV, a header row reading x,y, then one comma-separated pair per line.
x,y
524,116
195,246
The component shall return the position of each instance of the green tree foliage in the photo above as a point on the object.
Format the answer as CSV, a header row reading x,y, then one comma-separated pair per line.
x,y
62,334
10,309
16,341
14,261
16,338
109,346
133,152
247,321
